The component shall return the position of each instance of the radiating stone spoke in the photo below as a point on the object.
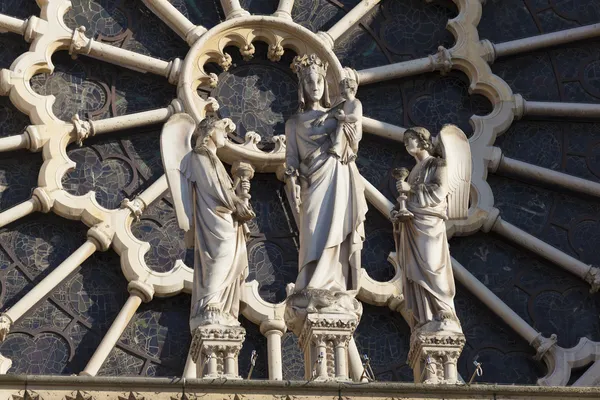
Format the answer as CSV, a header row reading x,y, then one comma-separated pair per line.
x,y
11,24
80,44
233,9
544,250
441,61
383,129
284,9
533,43
526,108
138,292
175,20
519,169
347,22
14,142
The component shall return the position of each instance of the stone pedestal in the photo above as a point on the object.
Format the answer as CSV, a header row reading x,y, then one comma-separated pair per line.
x,y
215,350
324,340
433,356
324,322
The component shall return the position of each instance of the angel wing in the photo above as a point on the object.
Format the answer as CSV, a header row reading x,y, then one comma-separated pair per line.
x,y
455,149
175,148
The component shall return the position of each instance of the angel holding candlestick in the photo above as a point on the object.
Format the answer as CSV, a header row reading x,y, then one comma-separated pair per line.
x,y
438,190
211,212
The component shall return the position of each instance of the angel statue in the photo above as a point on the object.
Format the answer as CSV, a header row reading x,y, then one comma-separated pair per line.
x,y
328,193
437,190
211,213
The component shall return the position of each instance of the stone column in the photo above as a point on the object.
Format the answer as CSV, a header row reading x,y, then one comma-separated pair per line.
x,y
284,9
233,9
273,330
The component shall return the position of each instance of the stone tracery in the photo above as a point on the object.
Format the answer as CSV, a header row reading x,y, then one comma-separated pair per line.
x,y
65,204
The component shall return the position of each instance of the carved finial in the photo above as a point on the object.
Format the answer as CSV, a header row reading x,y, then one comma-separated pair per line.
x,y
83,129
275,53
252,139
213,80
443,60
5,324
132,396
212,105
279,141
248,51
226,62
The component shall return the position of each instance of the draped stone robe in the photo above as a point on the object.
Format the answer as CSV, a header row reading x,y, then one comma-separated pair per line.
x,y
333,207
220,258
422,246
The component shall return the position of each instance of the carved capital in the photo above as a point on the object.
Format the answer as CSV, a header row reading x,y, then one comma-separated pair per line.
x,y
542,345
326,39
273,326
5,325
101,235
176,107
43,200
141,289
519,106
275,53
174,69
491,219
83,129
194,34
31,25
136,207
593,278
442,60
80,44
488,51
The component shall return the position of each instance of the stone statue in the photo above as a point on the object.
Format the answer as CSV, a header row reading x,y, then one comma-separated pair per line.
x,y
212,214
438,190
349,130
328,193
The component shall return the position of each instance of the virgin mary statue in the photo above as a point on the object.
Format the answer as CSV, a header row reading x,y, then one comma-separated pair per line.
x,y
328,194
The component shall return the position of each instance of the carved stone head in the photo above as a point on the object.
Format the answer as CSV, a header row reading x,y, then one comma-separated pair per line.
x,y
416,139
213,129
312,82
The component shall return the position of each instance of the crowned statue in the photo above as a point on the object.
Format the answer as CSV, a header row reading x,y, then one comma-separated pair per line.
x,y
328,191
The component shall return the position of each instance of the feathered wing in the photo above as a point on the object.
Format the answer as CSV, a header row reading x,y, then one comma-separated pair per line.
x,y
175,148
457,152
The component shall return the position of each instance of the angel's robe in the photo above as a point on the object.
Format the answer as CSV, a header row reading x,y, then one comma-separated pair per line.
x,y
220,257
333,207
422,246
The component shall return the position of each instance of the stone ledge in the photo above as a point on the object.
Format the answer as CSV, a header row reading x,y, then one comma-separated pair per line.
x,y
57,387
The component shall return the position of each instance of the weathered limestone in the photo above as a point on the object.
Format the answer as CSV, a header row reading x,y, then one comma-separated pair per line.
x,y
215,350
233,9
525,108
441,61
433,356
543,249
176,20
284,9
527,45
347,22
138,292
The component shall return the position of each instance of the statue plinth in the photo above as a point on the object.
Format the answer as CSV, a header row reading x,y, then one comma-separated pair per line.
x,y
215,350
433,356
324,322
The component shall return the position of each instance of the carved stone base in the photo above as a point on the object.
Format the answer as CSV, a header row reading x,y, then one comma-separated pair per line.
x,y
324,340
215,350
433,356
324,322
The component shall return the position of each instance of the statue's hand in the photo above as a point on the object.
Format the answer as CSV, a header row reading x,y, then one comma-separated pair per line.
x,y
340,115
296,199
399,216
243,212
403,187
320,121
